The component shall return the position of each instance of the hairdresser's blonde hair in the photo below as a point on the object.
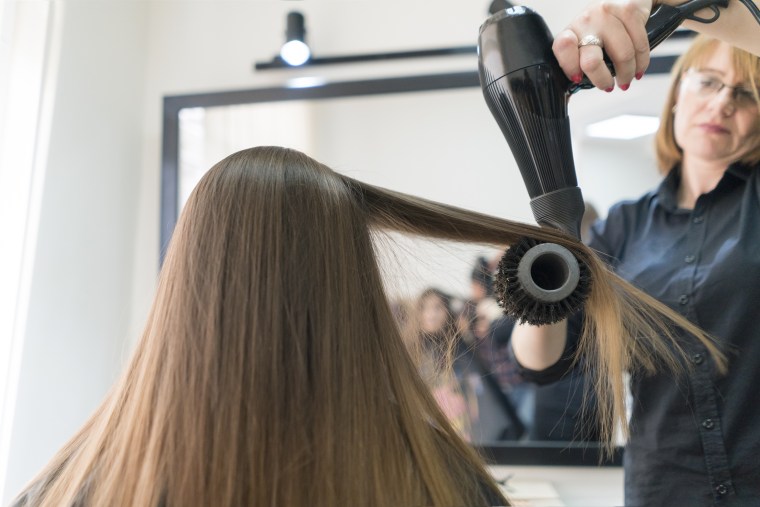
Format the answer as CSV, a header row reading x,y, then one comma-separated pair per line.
x,y
271,370
747,67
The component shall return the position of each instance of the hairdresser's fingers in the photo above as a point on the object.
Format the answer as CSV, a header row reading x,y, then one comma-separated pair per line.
x,y
633,16
589,31
565,49
593,65
620,26
621,50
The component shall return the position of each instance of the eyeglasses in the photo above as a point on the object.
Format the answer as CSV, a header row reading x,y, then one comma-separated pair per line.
x,y
707,85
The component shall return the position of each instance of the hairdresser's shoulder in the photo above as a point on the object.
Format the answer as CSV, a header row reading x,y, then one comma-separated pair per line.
x,y
630,209
609,235
753,175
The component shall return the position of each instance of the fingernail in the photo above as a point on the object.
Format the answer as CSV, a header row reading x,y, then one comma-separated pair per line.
x,y
577,78
625,86
608,90
639,75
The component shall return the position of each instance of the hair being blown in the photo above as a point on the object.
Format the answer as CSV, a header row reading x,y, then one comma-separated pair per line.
x,y
271,370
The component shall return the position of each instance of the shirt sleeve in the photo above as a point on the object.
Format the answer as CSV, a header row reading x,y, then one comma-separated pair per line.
x,y
566,361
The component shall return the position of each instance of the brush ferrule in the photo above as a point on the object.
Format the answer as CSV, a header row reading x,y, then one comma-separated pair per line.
x,y
548,272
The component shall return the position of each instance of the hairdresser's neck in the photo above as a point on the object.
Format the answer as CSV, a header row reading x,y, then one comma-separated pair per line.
x,y
698,176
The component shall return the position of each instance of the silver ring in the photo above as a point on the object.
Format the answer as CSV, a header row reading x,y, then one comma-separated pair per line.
x,y
590,40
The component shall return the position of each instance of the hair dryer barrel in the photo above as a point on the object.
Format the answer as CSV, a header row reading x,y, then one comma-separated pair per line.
x,y
527,93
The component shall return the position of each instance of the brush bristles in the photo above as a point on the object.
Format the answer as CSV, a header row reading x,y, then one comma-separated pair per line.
x,y
524,307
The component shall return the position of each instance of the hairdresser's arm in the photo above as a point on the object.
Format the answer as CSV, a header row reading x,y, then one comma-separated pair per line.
x,y
539,347
620,24
735,26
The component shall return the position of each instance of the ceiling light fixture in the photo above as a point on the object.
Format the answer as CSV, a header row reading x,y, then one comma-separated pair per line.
x,y
295,52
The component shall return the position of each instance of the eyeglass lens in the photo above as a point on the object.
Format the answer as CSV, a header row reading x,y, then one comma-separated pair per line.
x,y
706,85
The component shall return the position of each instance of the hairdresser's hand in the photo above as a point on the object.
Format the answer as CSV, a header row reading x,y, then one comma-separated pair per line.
x,y
620,26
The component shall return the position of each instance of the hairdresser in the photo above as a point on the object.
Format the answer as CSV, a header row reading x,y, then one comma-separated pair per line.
x,y
693,243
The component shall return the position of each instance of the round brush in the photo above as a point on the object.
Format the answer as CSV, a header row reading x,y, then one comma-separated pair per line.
x,y
541,283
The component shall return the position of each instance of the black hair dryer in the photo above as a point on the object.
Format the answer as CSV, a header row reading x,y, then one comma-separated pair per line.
x,y
527,93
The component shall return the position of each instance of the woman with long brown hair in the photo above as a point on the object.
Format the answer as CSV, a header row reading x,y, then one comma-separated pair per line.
x,y
272,372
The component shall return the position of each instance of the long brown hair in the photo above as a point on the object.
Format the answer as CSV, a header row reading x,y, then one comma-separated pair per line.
x,y
271,370
747,68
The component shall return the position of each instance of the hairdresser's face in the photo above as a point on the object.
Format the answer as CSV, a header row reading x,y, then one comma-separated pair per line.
x,y
433,314
713,127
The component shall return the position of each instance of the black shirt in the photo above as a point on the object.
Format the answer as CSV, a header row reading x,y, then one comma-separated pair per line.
x,y
695,438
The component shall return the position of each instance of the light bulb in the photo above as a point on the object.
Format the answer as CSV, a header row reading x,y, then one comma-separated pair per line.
x,y
295,52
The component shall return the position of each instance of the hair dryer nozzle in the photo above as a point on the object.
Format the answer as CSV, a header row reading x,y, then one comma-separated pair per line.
x,y
562,209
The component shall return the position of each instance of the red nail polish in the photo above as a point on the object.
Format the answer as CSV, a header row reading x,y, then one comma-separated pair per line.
x,y
639,75
577,78
625,86
608,90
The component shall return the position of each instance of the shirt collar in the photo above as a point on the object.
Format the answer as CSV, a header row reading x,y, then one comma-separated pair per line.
x,y
667,191
741,171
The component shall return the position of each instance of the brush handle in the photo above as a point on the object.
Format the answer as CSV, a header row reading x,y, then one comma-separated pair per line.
x,y
661,24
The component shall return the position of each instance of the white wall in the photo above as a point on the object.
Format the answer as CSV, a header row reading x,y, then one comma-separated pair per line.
x,y
26,30
79,305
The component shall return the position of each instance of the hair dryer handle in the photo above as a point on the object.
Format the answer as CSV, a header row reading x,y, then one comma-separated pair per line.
x,y
662,22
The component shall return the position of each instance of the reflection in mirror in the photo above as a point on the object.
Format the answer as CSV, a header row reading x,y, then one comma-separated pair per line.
x,y
442,145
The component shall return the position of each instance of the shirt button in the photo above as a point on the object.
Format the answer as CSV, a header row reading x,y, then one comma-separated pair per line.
x,y
721,489
689,259
698,220
698,358
708,424
683,299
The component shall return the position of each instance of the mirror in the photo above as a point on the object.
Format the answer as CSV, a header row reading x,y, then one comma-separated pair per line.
x,y
431,136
